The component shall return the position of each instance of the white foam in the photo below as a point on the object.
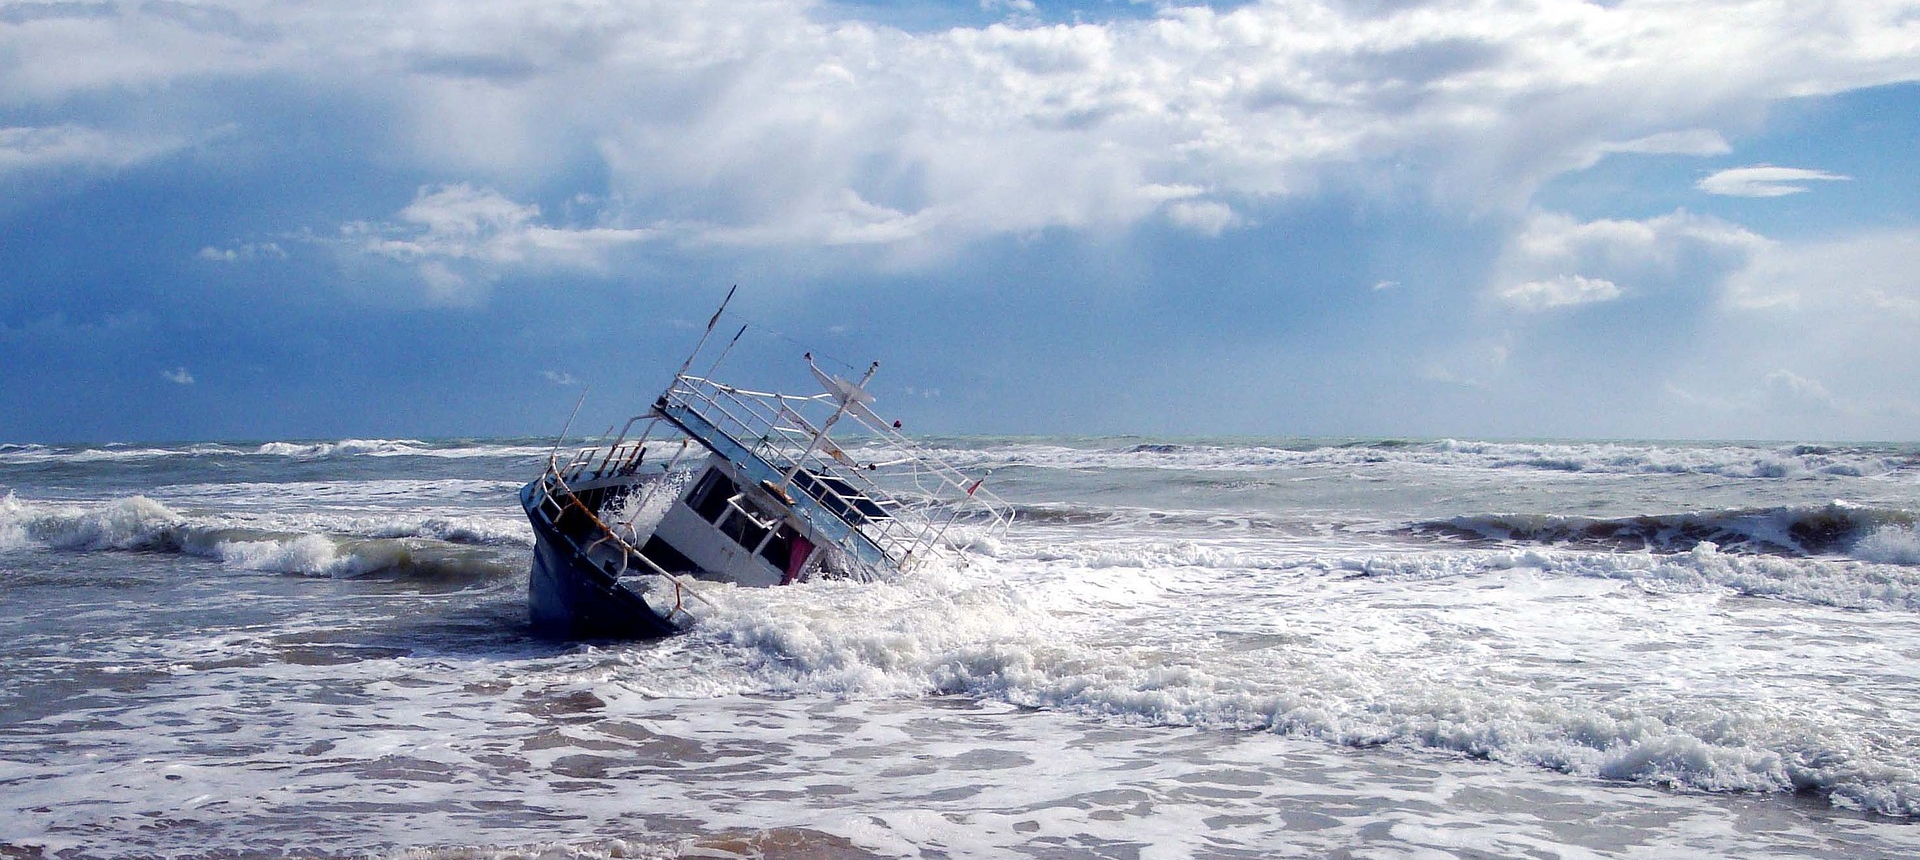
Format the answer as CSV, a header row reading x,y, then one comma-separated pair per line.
x,y
336,496
310,555
396,448
13,523
1843,583
299,543
1598,458
485,530
1891,544
310,450
811,706
642,509
134,522
1468,651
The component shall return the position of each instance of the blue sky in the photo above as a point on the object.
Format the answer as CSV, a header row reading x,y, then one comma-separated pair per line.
x,y
1522,218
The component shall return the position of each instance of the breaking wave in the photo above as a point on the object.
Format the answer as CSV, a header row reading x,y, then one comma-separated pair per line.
x,y
1730,461
1063,514
1873,534
449,450
1839,583
432,549
1039,644
27,454
375,447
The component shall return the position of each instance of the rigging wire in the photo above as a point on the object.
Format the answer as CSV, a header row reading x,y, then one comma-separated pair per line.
x,y
750,322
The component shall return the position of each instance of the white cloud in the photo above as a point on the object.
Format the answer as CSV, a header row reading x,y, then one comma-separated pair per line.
x,y
1562,292
752,123
1694,141
67,145
1556,261
177,376
1024,7
558,378
1203,216
1813,340
1786,391
460,238
1764,181
243,252
1870,277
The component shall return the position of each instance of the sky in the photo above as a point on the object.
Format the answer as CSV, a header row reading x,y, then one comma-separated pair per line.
x,y
1665,219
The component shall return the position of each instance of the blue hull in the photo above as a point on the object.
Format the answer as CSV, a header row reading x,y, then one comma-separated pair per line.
x,y
569,596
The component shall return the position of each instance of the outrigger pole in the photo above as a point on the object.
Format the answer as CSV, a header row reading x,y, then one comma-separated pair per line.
x,y
562,438
715,320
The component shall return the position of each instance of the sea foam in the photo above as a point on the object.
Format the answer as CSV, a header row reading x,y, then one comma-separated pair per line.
x,y
309,555
133,522
427,548
1800,530
1598,458
1891,544
1402,655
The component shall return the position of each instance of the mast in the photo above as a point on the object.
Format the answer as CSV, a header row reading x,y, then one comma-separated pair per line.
x,y
846,396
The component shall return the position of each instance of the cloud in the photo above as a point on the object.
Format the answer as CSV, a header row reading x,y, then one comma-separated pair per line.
x,y
243,252
762,123
459,238
1693,141
1562,292
562,379
1764,181
1203,216
1812,340
177,376
1868,278
1556,261
67,145
1786,391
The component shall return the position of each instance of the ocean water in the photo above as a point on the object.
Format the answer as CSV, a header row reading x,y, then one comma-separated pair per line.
x,y
1182,649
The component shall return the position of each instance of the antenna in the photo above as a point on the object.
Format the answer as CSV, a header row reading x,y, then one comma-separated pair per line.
x,y
562,438
715,320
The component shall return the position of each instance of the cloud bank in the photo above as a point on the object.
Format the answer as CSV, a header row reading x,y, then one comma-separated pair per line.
x,y
757,123
1306,174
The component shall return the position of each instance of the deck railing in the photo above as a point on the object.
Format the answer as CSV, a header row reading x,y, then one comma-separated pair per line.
x,y
900,496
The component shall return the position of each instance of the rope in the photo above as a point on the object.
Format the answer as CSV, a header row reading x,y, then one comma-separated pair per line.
x,y
574,501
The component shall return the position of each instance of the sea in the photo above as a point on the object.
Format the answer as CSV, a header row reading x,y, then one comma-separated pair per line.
x,y
1182,648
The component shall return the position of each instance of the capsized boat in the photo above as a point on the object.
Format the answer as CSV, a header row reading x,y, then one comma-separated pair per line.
x,y
719,484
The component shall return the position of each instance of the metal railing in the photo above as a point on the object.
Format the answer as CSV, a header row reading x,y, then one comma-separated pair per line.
x,y
894,498
898,497
902,498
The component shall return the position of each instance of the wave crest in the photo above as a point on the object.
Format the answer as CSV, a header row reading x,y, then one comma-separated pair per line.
x,y
1600,458
1042,644
1873,534
425,549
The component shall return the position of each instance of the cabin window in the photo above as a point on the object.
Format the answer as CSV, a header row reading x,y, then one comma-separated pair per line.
x,y
669,559
709,499
778,550
744,524
841,497
717,499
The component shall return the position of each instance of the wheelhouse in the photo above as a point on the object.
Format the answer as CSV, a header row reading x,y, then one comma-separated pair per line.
x,y
721,528
629,529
